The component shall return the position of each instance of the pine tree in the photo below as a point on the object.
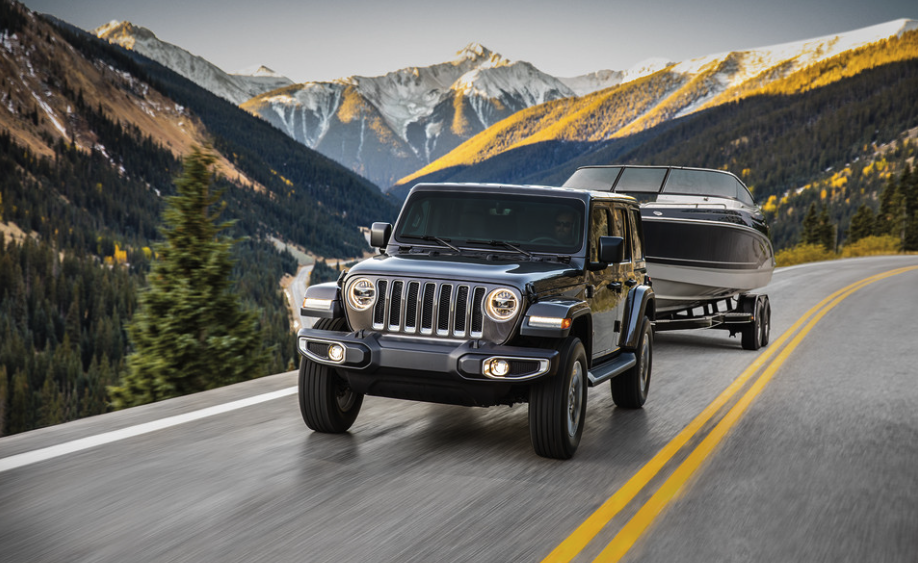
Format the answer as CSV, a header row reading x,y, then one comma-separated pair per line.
x,y
908,187
20,417
189,332
4,394
862,224
826,230
810,233
885,216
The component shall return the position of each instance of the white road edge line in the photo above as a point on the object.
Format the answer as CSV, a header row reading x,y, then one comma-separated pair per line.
x,y
28,458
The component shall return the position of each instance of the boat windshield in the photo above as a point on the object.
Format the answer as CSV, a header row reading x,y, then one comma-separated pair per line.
x,y
645,182
709,183
490,220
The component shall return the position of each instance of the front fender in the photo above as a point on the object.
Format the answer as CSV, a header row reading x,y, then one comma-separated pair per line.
x,y
322,300
639,304
553,310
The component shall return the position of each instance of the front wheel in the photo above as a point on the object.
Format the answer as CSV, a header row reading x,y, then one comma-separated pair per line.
x,y
557,405
629,389
326,402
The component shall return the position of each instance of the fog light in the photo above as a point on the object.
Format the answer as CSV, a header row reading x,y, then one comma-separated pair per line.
x,y
335,352
497,367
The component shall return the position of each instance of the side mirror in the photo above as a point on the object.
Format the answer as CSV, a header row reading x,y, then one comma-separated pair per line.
x,y
379,234
611,250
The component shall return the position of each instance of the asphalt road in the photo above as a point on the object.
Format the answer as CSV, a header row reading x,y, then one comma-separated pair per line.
x,y
820,465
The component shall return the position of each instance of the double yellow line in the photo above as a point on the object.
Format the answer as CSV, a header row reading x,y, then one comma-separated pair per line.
x,y
632,530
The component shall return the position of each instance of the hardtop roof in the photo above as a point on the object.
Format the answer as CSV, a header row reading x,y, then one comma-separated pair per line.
x,y
520,189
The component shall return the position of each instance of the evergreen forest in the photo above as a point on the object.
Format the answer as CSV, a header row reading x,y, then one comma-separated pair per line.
x,y
92,220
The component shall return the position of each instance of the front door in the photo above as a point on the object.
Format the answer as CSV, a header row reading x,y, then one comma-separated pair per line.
x,y
608,285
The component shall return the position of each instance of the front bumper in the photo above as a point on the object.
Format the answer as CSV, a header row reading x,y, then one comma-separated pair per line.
x,y
373,353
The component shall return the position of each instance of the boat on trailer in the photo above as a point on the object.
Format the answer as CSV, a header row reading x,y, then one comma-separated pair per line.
x,y
706,245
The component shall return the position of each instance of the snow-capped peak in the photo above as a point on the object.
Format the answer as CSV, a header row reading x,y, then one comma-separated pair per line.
x,y
479,55
235,88
645,68
124,33
258,71
801,53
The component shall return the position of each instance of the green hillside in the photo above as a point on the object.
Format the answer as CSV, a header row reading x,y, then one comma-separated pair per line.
x,y
77,227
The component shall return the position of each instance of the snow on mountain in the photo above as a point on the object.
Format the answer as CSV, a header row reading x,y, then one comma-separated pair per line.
x,y
733,69
592,82
260,79
305,113
623,106
418,113
602,79
407,95
234,88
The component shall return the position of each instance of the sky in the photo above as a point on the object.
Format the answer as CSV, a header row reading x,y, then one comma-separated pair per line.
x,y
308,40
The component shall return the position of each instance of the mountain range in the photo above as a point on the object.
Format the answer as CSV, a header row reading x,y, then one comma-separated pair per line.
x,y
389,126
66,89
403,126
674,92
236,87
482,117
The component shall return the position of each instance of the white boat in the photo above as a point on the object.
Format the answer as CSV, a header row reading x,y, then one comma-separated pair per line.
x,y
705,239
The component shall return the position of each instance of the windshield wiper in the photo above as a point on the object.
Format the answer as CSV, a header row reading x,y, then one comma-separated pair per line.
x,y
440,241
501,243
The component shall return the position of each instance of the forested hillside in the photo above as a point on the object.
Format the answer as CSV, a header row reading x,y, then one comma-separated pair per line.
x,y
81,199
306,188
779,143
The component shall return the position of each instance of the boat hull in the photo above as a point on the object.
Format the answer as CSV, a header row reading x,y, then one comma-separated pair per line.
x,y
698,259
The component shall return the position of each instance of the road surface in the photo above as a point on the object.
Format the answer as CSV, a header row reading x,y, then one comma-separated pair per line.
x,y
805,455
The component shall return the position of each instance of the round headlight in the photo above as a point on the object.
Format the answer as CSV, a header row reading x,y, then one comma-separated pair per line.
x,y
361,294
502,304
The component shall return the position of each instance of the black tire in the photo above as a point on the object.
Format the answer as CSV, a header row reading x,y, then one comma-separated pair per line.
x,y
629,389
752,332
326,402
557,404
766,322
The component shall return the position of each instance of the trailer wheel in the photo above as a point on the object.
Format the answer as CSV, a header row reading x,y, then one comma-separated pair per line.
x,y
326,402
766,322
753,332
557,404
629,390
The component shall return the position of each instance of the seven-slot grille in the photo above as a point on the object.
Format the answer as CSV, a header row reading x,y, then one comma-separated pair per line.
x,y
429,308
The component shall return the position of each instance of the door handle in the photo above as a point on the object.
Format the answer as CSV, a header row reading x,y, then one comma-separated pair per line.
x,y
631,282
615,285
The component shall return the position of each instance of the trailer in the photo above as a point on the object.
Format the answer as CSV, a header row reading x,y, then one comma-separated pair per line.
x,y
747,314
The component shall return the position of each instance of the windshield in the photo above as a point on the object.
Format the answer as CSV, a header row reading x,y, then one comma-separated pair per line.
x,y
469,219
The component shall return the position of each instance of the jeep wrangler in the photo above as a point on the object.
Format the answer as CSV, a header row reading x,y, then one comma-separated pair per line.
x,y
484,295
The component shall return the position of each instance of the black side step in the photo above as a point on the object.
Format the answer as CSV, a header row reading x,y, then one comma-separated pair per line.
x,y
608,370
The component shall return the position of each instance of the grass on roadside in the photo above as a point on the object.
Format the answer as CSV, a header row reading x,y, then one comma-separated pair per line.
x,y
869,246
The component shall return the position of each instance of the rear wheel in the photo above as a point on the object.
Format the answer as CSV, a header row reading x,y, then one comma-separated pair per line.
x,y
326,402
753,331
766,322
557,404
629,390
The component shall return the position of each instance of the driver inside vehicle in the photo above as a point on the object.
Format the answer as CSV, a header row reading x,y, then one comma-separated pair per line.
x,y
564,227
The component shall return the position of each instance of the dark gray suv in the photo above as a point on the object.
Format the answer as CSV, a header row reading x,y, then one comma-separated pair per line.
x,y
485,295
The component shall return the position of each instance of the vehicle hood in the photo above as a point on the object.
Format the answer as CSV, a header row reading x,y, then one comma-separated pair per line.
x,y
464,268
